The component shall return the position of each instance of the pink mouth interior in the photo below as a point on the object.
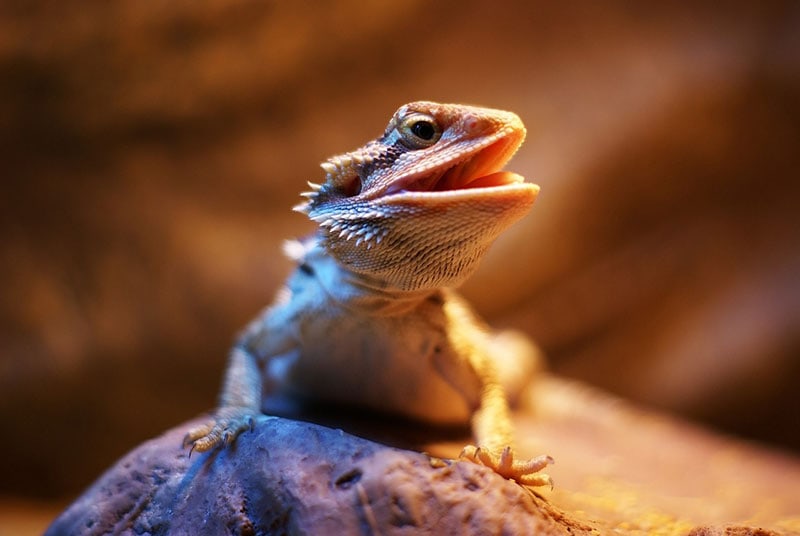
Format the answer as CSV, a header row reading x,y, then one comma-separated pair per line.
x,y
499,178
482,170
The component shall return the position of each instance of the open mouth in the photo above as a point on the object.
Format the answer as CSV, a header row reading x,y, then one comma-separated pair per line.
x,y
481,167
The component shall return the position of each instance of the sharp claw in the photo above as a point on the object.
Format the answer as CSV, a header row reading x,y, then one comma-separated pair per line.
x,y
506,460
222,431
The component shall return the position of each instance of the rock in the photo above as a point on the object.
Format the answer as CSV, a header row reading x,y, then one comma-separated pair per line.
x,y
292,477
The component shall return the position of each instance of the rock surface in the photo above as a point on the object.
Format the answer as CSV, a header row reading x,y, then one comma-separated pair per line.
x,y
291,477
619,470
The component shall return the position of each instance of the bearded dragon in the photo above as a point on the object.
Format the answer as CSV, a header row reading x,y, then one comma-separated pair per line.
x,y
369,317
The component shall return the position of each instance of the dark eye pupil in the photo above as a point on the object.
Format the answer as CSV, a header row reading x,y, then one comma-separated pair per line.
x,y
423,130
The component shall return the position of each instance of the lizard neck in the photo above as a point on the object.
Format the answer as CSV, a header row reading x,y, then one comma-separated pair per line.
x,y
361,293
376,297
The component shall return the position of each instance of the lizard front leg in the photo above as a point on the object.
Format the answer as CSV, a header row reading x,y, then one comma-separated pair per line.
x,y
491,426
242,390
471,369
240,403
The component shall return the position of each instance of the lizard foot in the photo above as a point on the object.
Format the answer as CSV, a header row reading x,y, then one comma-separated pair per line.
x,y
228,423
525,472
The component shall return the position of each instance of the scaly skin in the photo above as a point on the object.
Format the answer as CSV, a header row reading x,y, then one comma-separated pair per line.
x,y
369,316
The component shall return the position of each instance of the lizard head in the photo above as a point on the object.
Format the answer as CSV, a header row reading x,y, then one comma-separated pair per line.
x,y
418,207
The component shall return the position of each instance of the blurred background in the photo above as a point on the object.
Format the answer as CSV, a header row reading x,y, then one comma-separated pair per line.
x,y
151,152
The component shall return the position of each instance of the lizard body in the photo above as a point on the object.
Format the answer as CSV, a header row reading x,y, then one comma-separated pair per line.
x,y
369,316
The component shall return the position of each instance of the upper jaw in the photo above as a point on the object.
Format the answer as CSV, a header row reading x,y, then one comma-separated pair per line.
x,y
463,166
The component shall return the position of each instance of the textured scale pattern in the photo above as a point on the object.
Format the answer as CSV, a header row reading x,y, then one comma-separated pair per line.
x,y
444,233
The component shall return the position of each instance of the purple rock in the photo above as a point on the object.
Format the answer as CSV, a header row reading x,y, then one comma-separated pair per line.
x,y
292,477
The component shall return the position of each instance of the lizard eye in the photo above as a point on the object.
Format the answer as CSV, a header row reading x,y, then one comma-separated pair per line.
x,y
418,131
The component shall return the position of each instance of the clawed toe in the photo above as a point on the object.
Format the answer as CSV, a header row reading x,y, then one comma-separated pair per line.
x,y
526,472
222,431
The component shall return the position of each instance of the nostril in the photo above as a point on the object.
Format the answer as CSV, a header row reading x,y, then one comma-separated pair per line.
x,y
473,124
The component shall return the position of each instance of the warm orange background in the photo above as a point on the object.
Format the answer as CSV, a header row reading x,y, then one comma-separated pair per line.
x,y
151,152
